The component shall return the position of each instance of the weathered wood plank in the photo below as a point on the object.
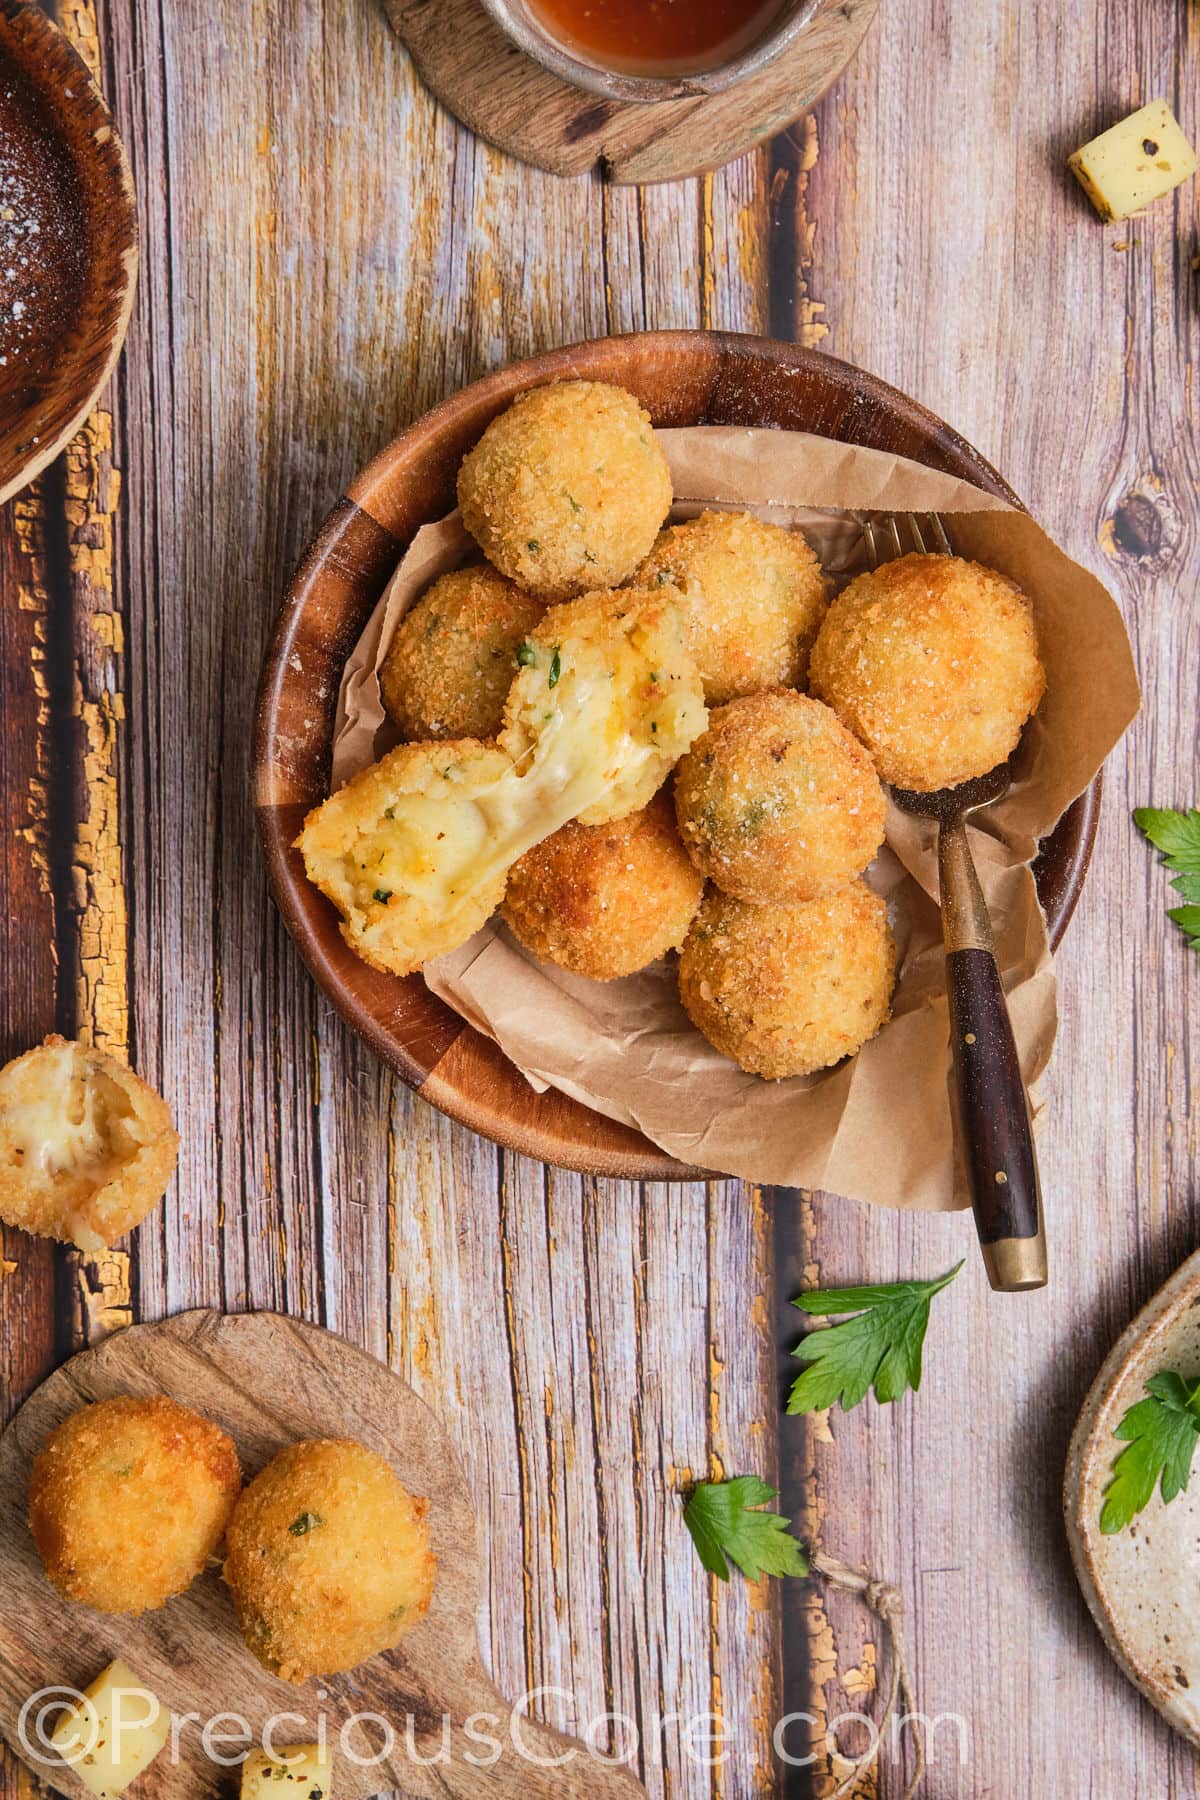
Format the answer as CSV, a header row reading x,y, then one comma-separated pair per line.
x,y
1065,350
303,293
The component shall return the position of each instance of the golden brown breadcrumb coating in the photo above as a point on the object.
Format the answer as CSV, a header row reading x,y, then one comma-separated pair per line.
x,y
756,598
128,1500
932,663
451,663
565,491
777,802
605,900
788,990
328,1559
86,1147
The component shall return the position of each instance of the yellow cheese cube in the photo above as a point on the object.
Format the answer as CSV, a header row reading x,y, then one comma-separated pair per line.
x,y
114,1733
300,1772
1137,161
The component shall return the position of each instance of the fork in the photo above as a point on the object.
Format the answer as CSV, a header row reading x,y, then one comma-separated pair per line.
x,y
989,1091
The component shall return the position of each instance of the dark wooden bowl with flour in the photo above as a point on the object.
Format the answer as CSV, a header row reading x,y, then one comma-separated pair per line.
x,y
68,243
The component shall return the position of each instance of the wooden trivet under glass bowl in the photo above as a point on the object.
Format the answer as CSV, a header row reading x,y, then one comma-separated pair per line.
x,y
505,97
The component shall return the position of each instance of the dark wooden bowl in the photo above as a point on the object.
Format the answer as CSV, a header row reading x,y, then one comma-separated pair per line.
x,y
62,162
683,378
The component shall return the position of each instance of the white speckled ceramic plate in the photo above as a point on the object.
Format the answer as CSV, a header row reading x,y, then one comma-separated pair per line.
x,y
1143,1584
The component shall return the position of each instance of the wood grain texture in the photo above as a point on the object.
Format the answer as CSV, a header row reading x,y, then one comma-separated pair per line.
x,y
493,88
325,255
422,1716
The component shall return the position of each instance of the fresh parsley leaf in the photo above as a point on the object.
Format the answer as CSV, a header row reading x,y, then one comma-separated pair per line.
x,y
723,1524
1188,920
880,1347
1177,836
555,669
1160,1433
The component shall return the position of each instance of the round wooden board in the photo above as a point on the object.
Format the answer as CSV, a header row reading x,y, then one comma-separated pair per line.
x,y
682,378
1139,1582
269,1381
493,87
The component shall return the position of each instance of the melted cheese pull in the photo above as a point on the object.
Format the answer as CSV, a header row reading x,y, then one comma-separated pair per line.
x,y
86,1148
415,851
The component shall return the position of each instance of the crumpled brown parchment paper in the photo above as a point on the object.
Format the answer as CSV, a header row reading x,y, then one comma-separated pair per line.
x,y
877,1127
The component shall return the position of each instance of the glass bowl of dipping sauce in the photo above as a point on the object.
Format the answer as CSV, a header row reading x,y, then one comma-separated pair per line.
x,y
653,49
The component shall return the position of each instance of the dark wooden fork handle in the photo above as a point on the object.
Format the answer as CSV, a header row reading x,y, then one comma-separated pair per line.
x,y
993,1112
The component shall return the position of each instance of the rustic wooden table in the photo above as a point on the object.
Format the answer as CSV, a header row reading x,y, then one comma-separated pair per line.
x,y
324,255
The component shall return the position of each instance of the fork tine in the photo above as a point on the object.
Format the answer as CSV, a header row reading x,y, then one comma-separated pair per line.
x,y
884,538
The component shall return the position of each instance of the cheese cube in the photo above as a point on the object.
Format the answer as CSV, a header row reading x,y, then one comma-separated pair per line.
x,y
115,1733
300,1772
1137,161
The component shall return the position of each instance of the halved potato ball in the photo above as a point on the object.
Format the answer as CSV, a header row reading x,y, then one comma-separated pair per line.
x,y
403,851
608,698
565,491
86,1147
932,663
788,990
605,900
328,1559
777,802
128,1500
756,598
451,663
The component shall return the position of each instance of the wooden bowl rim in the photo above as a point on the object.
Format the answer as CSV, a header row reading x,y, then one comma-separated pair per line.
x,y
17,16
640,1159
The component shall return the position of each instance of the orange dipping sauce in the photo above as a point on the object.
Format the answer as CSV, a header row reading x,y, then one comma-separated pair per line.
x,y
657,37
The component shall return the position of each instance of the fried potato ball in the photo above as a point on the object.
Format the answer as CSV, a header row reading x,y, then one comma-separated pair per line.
x,y
451,663
605,900
777,802
756,598
86,1148
415,851
565,491
128,1500
609,694
402,852
788,990
932,662
328,1559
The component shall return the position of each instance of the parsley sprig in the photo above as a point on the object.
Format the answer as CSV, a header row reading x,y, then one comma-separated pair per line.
x,y
726,1523
1160,1434
880,1347
1177,836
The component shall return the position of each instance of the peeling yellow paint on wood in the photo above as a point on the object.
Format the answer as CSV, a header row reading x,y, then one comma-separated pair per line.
x,y
810,327
78,20
103,1301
